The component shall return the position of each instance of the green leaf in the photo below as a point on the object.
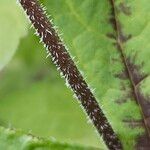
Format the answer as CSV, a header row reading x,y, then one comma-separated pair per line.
x,y
111,42
13,26
11,139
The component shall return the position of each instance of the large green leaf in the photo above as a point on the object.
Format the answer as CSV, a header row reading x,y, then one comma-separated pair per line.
x,y
11,139
13,26
111,42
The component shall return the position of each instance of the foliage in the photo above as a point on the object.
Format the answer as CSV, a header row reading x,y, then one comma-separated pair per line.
x,y
13,26
89,31
11,139
35,102
97,40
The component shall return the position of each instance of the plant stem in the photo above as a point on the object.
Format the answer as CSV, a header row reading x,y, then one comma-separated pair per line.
x,y
62,59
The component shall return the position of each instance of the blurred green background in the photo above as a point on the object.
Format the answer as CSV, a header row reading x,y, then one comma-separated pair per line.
x,y
33,97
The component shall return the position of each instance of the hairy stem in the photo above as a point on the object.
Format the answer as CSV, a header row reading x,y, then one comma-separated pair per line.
x,y
67,67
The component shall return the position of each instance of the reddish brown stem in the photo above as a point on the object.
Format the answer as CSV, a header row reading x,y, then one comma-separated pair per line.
x,y
67,67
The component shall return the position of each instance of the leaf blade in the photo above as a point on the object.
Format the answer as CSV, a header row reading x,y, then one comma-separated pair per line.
x,y
13,26
93,45
12,139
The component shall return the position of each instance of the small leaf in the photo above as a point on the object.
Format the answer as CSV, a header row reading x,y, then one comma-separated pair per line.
x,y
13,26
10,139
